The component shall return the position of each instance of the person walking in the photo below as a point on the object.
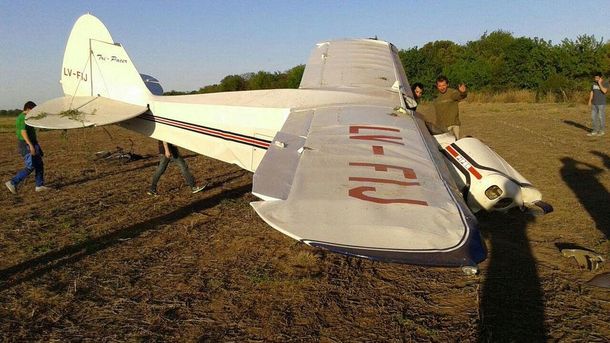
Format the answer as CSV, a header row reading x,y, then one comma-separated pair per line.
x,y
170,152
597,101
446,105
29,149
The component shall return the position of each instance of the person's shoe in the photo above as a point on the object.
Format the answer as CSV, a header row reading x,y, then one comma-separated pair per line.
x,y
42,188
601,133
152,192
10,186
590,134
196,189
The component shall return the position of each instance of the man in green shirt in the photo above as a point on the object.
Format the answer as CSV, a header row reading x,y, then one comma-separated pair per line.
x,y
28,146
446,106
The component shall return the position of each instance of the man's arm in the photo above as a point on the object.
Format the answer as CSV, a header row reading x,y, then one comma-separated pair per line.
x,y
601,86
461,94
26,138
590,97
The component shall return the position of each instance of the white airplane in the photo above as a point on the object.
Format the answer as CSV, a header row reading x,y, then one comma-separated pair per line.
x,y
342,163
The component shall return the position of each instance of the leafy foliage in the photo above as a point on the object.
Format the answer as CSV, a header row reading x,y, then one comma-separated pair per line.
x,y
498,61
252,81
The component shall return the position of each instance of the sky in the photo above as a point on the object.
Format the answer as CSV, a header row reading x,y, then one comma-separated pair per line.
x,y
190,44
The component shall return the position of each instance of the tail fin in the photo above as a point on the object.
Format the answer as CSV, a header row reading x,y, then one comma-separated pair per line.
x,y
94,65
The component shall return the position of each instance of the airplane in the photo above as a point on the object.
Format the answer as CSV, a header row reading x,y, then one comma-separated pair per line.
x,y
342,163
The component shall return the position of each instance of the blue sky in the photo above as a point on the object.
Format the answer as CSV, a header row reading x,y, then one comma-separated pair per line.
x,y
189,44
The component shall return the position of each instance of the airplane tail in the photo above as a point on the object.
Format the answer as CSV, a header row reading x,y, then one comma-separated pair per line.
x,y
100,83
94,65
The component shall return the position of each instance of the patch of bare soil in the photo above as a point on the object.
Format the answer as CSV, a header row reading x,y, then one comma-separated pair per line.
x,y
98,259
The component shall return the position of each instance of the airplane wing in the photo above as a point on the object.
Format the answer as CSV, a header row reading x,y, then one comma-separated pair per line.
x,y
358,181
361,180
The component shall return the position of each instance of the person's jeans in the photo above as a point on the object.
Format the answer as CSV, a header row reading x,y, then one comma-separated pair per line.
x,y
598,117
32,163
184,169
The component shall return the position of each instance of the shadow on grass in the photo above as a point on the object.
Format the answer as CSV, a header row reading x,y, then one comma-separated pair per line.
x,y
512,306
583,179
59,184
577,125
39,266
148,161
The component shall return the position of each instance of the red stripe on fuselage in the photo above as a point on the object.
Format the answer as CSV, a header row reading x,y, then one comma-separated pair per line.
x,y
208,131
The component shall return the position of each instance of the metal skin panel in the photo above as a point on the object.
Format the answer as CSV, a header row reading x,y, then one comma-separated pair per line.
x,y
373,190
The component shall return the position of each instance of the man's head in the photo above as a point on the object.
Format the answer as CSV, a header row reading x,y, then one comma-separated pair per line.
x,y
28,106
418,90
442,83
597,76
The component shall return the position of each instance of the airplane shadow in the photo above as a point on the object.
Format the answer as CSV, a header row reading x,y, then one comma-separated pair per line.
x,y
48,262
583,179
511,304
577,125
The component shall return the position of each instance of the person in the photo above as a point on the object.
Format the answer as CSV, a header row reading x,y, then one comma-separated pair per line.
x,y
446,105
418,90
597,101
27,144
167,152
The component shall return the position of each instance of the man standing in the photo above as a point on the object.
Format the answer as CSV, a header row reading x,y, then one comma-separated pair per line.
x,y
28,146
167,152
446,105
597,101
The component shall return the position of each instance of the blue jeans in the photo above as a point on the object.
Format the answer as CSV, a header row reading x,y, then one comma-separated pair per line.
x,y
598,117
188,177
32,163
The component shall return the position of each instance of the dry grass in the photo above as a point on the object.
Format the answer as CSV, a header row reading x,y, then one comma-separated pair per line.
x,y
527,96
99,260
7,124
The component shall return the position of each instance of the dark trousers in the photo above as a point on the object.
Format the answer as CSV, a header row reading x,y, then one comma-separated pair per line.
x,y
188,177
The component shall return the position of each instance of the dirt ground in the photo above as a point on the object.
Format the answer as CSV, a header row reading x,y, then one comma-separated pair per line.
x,y
98,259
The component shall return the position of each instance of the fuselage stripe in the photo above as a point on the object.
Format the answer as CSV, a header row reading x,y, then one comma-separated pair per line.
x,y
226,135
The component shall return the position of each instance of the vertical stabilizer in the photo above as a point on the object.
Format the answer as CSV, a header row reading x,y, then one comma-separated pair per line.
x,y
95,65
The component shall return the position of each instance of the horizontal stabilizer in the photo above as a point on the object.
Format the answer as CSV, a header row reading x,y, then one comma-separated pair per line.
x,y
73,112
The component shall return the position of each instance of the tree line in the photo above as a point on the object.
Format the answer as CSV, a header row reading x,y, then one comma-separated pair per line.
x,y
500,62
252,81
497,62
9,113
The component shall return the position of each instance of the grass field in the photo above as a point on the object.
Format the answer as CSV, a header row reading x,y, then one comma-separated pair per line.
x,y
7,124
97,259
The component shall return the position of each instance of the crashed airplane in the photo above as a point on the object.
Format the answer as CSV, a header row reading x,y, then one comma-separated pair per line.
x,y
342,163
